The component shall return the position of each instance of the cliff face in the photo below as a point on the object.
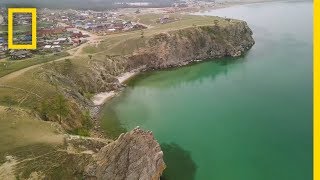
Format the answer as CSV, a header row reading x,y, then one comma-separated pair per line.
x,y
172,49
183,46
134,155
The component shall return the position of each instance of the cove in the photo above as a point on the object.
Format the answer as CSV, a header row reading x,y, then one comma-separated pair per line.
x,y
248,118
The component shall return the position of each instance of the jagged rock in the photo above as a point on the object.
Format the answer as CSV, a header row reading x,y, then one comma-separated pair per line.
x,y
134,155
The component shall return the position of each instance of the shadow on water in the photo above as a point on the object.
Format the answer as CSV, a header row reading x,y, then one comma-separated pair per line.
x,y
110,121
180,165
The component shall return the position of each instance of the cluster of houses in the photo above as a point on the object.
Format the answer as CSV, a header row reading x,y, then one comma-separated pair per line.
x,y
3,47
58,38
111,27
50,40
60,29
99,23
22,19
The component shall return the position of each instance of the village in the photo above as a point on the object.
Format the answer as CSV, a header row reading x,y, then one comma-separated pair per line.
x,y
61,30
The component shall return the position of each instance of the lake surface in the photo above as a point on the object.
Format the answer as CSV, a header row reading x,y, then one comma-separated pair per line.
x,y
239,119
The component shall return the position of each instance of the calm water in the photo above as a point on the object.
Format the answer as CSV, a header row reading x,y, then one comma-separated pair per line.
x,y
241,119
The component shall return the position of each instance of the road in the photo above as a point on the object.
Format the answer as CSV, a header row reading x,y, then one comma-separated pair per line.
x,y
73,53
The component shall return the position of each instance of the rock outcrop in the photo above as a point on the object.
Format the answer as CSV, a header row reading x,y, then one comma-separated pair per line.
x,y
171,49
180,47
134,155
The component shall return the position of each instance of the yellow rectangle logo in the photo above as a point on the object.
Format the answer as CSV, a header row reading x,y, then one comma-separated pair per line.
x,y
33,12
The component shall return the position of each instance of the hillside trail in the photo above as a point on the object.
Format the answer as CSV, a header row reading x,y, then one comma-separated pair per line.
x,y
73,53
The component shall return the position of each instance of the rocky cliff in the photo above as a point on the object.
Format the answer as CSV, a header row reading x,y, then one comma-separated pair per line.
x,y
171,49
134,155
180,47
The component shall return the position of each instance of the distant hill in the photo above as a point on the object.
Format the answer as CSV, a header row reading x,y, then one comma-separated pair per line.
x,y
82,4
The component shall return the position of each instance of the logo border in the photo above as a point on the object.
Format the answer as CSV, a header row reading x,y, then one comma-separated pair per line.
x,y
33,12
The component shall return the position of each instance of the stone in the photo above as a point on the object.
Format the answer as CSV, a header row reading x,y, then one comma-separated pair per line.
x,y
134,155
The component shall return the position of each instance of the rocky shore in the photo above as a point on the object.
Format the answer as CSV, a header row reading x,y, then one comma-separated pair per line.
x,y
170,49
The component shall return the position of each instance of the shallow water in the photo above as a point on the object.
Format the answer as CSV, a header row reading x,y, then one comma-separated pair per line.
x,y
248,118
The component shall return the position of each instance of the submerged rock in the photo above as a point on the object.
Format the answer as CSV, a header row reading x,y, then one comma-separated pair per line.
x,y
134,155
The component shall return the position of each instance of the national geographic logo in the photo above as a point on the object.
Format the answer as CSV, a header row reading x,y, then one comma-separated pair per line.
x,y
33,12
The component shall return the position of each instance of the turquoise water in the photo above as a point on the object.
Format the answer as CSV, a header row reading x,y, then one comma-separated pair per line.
x,y
241,119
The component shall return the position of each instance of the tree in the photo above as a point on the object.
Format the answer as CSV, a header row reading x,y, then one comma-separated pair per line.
x,y
60,106
90,56
67,68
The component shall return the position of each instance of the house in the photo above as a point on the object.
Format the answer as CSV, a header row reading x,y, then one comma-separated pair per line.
x,y
76,34
112,30
127,25
27,38
138,26
49,32
164,19
47,47
76,41
62,40
56,48
1,40
3,46
3,49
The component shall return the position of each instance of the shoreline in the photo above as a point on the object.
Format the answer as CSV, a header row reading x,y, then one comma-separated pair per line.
x,y
99,101
101,98
222,5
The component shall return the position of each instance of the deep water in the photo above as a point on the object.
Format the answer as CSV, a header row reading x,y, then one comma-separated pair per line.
x,y
237,119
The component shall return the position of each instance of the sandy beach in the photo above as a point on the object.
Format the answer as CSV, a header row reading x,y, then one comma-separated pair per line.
x,y
101,98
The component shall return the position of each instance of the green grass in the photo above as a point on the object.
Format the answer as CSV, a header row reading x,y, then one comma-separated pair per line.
x,y
9,66
148,19
20,128
128,42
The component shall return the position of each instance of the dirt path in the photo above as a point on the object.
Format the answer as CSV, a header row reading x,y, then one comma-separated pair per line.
x,y
73,53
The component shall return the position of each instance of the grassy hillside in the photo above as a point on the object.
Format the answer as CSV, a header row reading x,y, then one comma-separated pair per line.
x,y
9,66
20,128
126,43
